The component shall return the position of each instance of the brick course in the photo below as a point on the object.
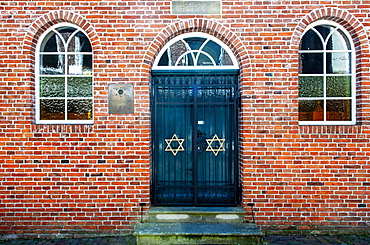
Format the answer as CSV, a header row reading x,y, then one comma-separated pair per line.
x,y
83,180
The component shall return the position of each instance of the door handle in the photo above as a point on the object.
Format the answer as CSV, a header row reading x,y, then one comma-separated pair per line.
x,y
189,171
201,141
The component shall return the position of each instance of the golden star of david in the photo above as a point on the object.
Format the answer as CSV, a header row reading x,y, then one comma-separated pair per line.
x,y
174,139
215,139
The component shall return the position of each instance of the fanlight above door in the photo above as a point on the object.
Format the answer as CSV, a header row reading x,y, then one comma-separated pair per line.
x,y
195,51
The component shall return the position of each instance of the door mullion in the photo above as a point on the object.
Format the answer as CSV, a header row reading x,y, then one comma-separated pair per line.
x,y
194,141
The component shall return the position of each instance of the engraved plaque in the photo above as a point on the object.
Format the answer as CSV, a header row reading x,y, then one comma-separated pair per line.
x,y
196,7
120,98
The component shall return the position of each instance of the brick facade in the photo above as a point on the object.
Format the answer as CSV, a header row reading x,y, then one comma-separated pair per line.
x,y
76,180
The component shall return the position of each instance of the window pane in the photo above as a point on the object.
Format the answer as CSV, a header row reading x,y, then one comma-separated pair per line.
x,y
225,59
52,64
164,61
176,50
79,43
338,86
204,60
79,64
311,63
66,32
214,50
311,41
52,87
338,41
324,30
186,60
52,109
195,42
79,87
53,44
338,63
79,109
311,86
311,110
339,110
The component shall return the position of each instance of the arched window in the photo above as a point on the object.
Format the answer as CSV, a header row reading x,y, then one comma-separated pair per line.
x,y
326,76
64,82
196,51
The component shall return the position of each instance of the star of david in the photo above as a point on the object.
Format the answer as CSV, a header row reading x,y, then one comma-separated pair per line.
x,y
174,139
120,91
215,139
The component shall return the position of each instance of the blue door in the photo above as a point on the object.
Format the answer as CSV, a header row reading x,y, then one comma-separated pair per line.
x,y
194,144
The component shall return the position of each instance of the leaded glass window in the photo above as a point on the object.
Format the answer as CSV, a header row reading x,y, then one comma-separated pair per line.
x,y
64,76
326,76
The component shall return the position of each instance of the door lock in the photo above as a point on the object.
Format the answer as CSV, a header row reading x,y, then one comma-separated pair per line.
x,y
201,141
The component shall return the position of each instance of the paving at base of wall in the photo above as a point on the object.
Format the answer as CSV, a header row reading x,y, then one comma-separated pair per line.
x,y
268,240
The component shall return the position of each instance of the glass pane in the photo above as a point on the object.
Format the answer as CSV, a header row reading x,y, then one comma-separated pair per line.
x,y
52,109
324,30
312,63
338,41
338,86
79,109
338,63
186,60
311,41
52,64
338,110
311,110
52,43
311,86
225,59
195,42
79,64
79,43
204,60
66,32
214,50
79,87
164,61
176,50
52,87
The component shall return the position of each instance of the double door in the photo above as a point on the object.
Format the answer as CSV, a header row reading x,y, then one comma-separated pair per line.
x,y
194,144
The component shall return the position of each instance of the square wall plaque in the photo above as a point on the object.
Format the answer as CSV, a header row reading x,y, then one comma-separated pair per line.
x,y
120,98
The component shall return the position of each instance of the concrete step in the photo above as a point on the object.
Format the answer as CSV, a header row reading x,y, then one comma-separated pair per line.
x,y
197,233
196,215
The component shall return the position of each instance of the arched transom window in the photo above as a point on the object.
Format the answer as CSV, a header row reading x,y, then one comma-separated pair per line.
x,y
64,76
326,75
195,51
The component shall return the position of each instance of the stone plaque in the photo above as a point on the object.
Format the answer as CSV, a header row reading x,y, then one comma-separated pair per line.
x,y
196,7
120,98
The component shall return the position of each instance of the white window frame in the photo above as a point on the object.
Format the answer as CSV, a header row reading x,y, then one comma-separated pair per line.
x,y
234,65
38,75
352,74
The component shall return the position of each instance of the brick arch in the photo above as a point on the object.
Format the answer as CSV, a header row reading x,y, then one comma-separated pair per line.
x,y
342,17
196,25
45,21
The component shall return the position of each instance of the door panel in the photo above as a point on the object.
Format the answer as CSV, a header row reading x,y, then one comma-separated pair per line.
x,y
194,127
173,164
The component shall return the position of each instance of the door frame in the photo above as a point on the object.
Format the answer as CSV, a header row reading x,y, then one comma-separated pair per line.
x,y
234,145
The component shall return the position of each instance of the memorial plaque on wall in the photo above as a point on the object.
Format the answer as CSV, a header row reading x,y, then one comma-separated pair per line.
x,y
196,7
120,98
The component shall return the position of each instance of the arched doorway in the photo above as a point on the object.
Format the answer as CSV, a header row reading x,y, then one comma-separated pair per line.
x,y
194,102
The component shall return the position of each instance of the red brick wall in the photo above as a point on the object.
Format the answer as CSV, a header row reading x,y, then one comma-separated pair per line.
x,y
89,179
